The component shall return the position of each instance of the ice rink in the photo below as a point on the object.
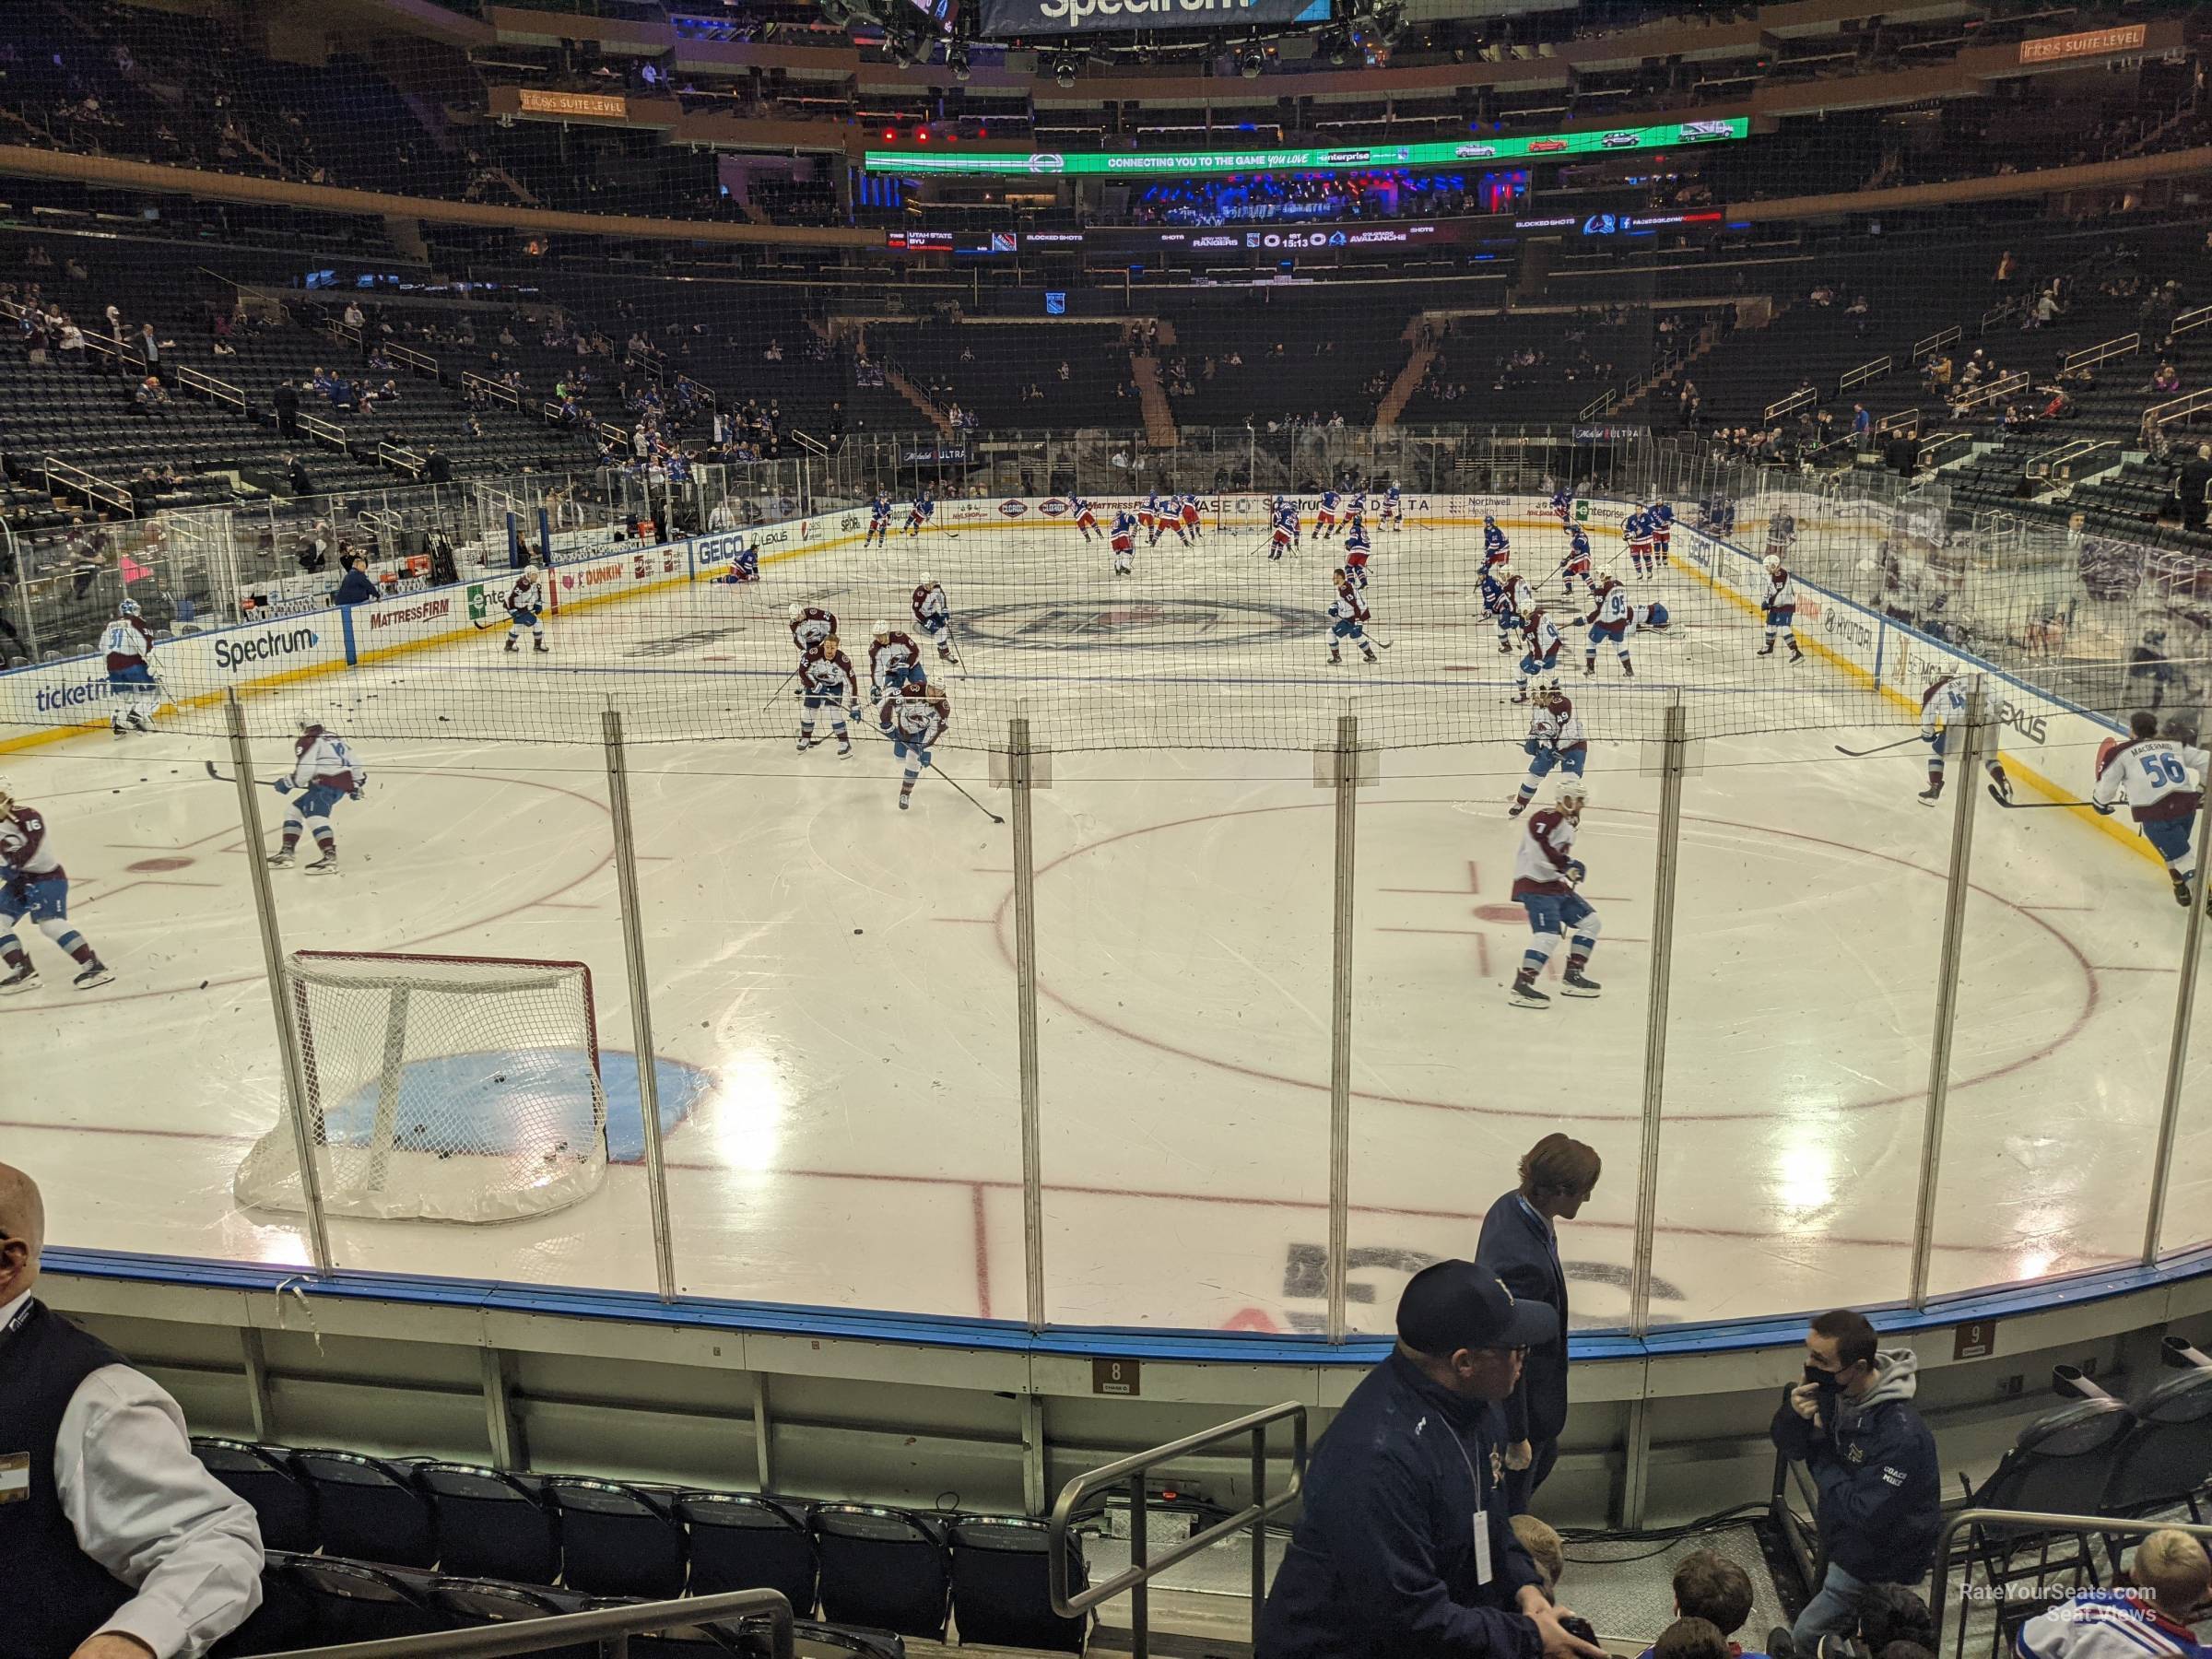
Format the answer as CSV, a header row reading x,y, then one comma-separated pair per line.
x,y
834,999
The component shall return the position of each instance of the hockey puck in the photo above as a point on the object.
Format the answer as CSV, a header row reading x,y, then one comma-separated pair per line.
x,y
856,932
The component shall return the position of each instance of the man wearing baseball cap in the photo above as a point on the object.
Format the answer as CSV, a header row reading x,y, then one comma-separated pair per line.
x,y
1403,1550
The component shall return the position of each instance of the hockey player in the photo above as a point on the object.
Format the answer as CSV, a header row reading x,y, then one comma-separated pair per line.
x,y
1123,543
827,680
744,566
1577,568
1641,537
1188,511
1393,509
933,612
1781,535
1354,509
2162,779
1610,621
1324,516
879,522
1285,532
913,718
1495,549
1556,738
1779,603
1148,518
810,625
1347,618
1546,874
1942,707
525,602
1087,518
1661,518
893,659
920,513
128,644
34,884
1540,635
1562,503
1356,552
1647,619
1496,600
323,771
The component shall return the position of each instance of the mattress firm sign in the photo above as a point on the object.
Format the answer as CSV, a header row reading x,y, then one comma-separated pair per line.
x,y
1002,17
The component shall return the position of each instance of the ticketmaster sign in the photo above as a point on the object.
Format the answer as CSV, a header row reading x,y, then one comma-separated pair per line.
x,y
1024,18
1447,153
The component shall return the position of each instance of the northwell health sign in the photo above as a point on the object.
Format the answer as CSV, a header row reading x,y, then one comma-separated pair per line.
x,y
1444,153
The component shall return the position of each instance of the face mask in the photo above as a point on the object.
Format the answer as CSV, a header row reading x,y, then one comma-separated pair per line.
x,y
1826,1381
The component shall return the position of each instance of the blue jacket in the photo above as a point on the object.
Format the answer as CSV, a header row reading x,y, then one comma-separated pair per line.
x,y
1518,1248
1382,1564
356,587
1874,1464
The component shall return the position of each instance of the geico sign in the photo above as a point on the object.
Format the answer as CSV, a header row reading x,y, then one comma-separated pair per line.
x,y
429,610
261,648
718,549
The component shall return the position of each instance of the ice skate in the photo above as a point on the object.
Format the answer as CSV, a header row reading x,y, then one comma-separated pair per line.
x,y
280,861
326,865
1575,983
25,978
1525,995
95,972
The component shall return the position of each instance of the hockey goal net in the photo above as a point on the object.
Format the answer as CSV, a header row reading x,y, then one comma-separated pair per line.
x,y
440,1089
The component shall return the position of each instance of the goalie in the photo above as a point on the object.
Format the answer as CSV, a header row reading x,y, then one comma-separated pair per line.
x,y
324,772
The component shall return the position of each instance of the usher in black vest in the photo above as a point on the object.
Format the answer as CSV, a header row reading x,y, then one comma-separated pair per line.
x,y
57,1594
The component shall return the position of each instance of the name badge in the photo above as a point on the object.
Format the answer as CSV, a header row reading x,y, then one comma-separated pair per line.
x,y
15,1478
1482,1547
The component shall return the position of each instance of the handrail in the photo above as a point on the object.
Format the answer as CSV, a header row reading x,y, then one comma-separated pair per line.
x,y
323,432
2188,320
700,391
1144,1567
1796,400
1932,343
613,1624
217,390
496,390
342,330
409,358
1904,418
2002,386
1939,1598
100,491
2174,408
2118,346
1865,371
400,456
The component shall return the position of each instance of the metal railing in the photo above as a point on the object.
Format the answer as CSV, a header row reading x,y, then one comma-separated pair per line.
x,y
2119,345
1144,1567
1904,420
1939,1592
2005,385
323,432
1864,372
402,458
701,392
1803,397
2176,408
2196,318
1928,346
406,356
611,1628
495,390
214,390
96,490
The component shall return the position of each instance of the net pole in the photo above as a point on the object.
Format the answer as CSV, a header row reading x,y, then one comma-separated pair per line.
x,y
1344,772
272,952
1674,753
390,1076
641,1002
2177,1058
1021,780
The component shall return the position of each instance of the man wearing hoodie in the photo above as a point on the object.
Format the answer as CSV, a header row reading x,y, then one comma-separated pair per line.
x,y
1850,1423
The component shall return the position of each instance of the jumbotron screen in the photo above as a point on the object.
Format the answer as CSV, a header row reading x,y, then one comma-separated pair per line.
x,y
1442,153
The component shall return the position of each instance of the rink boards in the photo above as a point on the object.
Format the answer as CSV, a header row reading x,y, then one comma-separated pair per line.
x,y
2045,741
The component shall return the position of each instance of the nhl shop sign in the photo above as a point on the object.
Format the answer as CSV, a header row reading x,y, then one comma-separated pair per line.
x,y
1029,18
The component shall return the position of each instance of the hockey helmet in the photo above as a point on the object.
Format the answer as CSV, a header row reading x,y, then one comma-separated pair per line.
x,y
129,608
7,798
881,628
797,612
1573,789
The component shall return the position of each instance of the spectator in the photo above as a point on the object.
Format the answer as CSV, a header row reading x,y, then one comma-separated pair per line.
x,y
1862,425
1710,1587
2166,378
1383,1559
296,476
149,399
2190,483
2148,1611
285,399
357,586
1690,1638
149,348
1520,1245
1873,1461
121,1545
72,343
436,467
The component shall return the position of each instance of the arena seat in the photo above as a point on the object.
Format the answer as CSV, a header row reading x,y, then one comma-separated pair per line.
x,y
491,1524
2166,1458
741,1542
369,1509
464,1602
618,1539
349,1601
883,1567
282,1504
1001,1586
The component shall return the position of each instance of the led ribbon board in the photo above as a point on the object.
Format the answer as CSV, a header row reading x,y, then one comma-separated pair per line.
x,y
1446,153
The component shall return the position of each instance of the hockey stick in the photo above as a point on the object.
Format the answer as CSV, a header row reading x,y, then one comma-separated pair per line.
x,y
225,778
779,690
2004,800
880,736
1859,754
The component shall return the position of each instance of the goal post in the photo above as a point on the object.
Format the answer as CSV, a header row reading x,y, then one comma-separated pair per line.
x,y
439,1088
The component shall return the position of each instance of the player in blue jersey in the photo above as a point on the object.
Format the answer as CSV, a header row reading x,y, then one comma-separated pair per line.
x,y
1562,503
920,513
1494,545
1284,532
1497,603
1122,539
1577,567
1662,520
1087,517
1392,516
1355,552
1324,516
879,522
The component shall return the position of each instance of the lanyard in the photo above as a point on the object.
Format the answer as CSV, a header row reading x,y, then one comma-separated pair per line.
x,y
1480,1520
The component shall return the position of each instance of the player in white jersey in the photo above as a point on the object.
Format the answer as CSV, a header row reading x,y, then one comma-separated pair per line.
x,y
1546,874
913,718
810,625
1610,623
128,645
933,614
34,884
526,602
1122,540
1943,706
1540,638
1778,603
1347,618
2162,779
827,681
325,772
893,659
1556,738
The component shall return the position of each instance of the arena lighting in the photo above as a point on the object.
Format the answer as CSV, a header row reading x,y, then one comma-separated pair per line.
x,y
958,59
1064,70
